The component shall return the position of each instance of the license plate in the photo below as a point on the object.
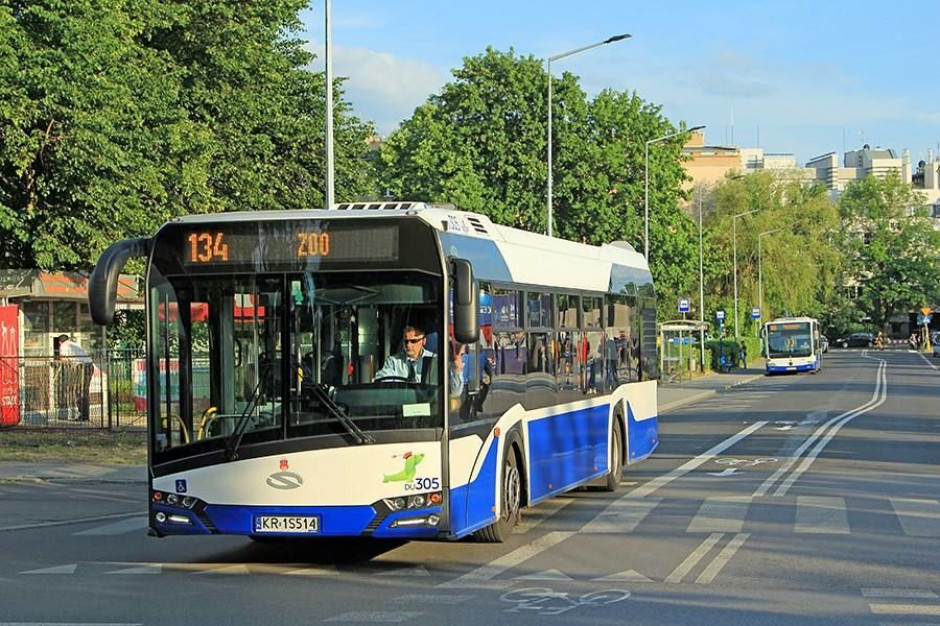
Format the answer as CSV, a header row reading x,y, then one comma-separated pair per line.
x,y
287,524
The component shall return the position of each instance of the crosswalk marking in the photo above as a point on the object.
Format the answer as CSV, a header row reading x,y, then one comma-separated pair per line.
x,y
904,609
692,560
720,515
905,594
821,515
538,514
919,518
485,573
622,516
718,563
387,617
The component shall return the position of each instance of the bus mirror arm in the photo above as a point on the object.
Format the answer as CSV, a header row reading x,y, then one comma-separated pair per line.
x,y
102,286
466,302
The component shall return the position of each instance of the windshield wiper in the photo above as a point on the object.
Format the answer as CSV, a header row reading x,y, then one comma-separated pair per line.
x,y
337,413
235,439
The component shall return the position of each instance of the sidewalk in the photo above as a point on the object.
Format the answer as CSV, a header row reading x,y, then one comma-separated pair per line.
x,y
15,471
670,397
675,395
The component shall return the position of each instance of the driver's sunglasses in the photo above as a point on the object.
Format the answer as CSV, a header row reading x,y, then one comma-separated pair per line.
x,y
415,339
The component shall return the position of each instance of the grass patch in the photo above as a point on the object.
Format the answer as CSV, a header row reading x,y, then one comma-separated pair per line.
x,y
88,446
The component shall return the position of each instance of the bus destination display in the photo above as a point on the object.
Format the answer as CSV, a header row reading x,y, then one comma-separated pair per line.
x,y
293,244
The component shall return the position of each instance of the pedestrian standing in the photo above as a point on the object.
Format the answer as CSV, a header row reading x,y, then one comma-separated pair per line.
x,y
79,370
742,354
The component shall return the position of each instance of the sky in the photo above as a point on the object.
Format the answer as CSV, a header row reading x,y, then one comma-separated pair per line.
x,y
789,76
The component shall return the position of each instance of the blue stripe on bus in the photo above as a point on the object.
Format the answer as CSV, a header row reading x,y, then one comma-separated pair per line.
x,y
567,449
642,436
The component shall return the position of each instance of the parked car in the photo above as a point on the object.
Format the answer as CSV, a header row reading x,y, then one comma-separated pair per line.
x,y
856,340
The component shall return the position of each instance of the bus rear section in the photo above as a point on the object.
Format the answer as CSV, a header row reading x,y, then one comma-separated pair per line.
x,y
792,345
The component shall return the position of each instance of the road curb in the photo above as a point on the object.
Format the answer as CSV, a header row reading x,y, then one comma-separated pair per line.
x,y
675,404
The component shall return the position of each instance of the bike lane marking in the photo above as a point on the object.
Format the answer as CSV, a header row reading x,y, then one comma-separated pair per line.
x,y
714,568
692,560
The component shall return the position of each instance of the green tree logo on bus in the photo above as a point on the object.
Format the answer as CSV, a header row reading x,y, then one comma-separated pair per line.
x,y
407,474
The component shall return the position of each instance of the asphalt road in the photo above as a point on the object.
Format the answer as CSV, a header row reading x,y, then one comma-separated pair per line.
x,y
808,499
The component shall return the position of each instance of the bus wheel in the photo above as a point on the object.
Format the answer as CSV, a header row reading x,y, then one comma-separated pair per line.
x,y
616,460
510,499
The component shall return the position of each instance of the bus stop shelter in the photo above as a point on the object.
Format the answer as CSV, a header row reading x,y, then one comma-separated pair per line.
x,y
677,340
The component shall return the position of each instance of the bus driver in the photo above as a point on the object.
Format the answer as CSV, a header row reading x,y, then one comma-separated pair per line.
x,y
416,364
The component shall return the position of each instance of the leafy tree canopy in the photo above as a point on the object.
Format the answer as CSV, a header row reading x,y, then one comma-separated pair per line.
x,y
117,116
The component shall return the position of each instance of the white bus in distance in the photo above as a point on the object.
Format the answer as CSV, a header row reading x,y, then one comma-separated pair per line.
x,y
792,344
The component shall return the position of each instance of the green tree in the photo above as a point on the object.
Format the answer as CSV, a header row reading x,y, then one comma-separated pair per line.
x,y
791,229
891,247
481,144
117,116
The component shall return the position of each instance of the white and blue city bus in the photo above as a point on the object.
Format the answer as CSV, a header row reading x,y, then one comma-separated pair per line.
x,y
265,331
792,344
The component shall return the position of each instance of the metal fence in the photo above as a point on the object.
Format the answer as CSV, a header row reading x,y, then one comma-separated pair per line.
x,y
108,393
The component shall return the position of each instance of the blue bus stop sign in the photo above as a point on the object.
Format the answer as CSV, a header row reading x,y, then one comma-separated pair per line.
x,y
720,315
684,305
755,313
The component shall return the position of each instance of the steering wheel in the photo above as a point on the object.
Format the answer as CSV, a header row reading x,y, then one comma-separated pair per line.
x,y
393,379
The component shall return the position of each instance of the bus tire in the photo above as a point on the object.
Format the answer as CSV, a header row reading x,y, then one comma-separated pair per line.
x,y
616,459
510,494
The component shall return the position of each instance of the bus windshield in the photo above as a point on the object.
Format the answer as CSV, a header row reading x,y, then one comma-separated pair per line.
x,y
789,340
259,357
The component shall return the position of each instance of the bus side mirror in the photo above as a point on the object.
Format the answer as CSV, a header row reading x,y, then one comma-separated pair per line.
x,y
466,305
102,286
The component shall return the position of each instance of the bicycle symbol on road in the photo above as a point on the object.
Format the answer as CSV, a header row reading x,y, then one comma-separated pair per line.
x,y
546,601
745,462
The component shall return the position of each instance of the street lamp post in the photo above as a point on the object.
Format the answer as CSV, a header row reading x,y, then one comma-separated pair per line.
x,y
760,271
555,57
701,281
328,60
734,246
646,185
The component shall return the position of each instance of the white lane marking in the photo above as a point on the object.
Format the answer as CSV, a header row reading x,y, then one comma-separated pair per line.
x,y
881,386
69,522
905,609
655,484
821,515
919,518
767,484
379,617
927,361
148,568
692,560
904,594
417,570
118,528
484,573
718,563
551,574
539,513
720,515
621,517
59,569
629,576
430,598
